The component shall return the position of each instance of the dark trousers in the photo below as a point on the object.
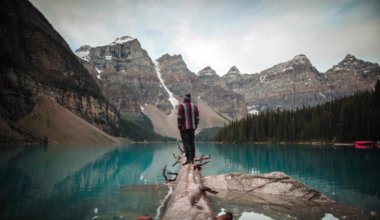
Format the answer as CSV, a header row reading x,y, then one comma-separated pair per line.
x,y
188,143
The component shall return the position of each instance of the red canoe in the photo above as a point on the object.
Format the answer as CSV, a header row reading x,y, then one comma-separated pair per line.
x,y
364,144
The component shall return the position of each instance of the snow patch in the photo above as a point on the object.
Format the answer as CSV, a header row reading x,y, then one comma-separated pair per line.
x,y
287,69
321,94
142,108
83,55
173,101
108,57
99,72
338,68
262,79
122,40
253,112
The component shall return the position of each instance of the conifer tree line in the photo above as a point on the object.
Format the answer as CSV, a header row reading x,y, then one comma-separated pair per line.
x,y
356,117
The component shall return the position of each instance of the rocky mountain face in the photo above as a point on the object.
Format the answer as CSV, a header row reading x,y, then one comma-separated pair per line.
x,y
287,85
180,80
130,80
208,76
36,61
297,83
126,75
137,86
351,75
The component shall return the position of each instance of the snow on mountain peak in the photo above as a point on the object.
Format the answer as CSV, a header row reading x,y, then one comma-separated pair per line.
x,y
122,40
83,52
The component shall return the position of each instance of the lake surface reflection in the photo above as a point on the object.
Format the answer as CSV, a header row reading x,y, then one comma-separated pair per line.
x,y
82,182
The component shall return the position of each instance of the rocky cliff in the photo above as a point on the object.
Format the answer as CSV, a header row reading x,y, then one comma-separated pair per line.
x,y
297,83
287,85
351,75
126,74
180,80
36,61
135,84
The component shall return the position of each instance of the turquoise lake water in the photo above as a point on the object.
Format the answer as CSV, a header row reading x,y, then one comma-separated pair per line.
x,y
86,182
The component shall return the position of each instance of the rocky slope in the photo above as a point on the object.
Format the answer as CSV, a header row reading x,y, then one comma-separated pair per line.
x,y
180,80
126,74
287,85
297,83
130,81
351,75
44,122
36,61
208,75
136,85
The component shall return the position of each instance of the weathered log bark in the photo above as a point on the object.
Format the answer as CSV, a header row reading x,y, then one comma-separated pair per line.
x,y
188,200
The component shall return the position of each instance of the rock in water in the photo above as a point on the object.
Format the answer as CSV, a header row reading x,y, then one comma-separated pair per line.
x,y
275,183
276,195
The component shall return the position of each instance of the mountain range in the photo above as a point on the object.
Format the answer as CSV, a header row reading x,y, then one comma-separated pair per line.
x,y
102,87
288,85
297,83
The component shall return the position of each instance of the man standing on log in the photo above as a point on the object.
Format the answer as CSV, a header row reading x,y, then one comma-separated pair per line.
x,y
188,118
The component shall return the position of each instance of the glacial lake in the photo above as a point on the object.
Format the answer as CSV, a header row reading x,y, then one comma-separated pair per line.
x,y
115,182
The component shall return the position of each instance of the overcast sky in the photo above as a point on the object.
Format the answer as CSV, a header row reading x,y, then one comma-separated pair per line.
x,y
251,34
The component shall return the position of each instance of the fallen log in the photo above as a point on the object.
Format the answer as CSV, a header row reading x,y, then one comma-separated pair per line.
x,y
189,200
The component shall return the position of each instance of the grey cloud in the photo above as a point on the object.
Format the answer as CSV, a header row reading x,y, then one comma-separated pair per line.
x,y
253,35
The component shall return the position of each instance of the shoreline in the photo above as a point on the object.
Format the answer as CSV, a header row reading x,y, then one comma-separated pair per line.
x,y
320,143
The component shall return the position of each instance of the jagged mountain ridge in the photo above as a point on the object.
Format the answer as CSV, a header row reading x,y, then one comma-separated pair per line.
x,y
179,79
130,80
127,75
351,75
297,83
36,61
288,85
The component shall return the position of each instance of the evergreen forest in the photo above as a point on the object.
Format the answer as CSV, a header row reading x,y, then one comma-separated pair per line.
x,y
356,117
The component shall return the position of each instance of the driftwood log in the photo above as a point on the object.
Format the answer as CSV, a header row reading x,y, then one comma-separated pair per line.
x,y
188,200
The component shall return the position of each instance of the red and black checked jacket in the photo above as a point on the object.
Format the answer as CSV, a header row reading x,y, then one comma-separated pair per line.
x,y
188,116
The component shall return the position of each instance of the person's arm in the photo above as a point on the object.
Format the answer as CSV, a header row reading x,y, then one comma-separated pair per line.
x,y
180,117
196,117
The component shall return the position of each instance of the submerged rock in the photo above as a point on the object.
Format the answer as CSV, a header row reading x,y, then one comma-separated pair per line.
x,y
276,196
275,183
